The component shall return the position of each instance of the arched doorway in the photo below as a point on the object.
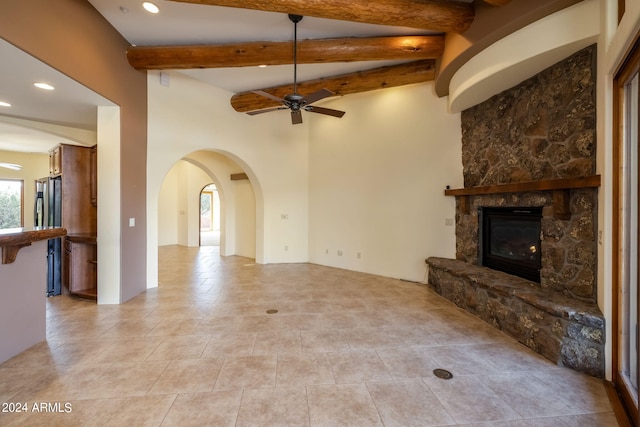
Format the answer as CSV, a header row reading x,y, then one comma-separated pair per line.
x,y
209,216
179,205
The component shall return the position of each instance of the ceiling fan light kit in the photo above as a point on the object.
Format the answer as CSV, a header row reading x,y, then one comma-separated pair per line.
x,y
294,101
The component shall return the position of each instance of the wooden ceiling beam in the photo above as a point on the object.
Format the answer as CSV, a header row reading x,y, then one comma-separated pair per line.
x,y
352,49
497,2
436,15
362,81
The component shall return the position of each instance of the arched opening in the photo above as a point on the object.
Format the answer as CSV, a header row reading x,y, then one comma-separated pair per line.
x,y
201,204
209,216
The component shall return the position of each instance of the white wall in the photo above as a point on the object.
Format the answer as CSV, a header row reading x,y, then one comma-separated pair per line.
x,y
168,209
189,181
245,219
377,180
109,202
372,182
182,203
189,116
34,166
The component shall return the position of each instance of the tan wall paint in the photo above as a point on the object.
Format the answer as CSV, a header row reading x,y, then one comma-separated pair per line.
x,y
23,302
72,37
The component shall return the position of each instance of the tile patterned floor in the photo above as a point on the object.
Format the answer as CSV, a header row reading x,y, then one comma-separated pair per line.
x,y
345,348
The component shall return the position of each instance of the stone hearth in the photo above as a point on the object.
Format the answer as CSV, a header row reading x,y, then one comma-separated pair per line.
x,y
565,331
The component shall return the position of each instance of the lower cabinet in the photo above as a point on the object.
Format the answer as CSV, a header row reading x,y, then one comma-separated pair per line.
x,y
80,267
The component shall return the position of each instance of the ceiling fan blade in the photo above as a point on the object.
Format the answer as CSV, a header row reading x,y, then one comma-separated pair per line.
x,y
296,117
318,95
326,111
268,95
266,110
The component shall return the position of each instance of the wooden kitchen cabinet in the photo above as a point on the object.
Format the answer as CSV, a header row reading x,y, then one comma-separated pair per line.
x,y
80,267
75,169
55,160
93,172
79,214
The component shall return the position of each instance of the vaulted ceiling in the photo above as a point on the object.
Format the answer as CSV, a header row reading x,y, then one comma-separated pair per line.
x,y
344,46
380,59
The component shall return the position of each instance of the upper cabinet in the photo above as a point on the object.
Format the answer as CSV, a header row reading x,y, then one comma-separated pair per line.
x,y
55,160
76,167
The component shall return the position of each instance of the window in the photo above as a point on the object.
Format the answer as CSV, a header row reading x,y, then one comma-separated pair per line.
x,y
11,202
626,253
206,210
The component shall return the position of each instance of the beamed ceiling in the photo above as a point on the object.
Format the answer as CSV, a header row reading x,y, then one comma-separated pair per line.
x,y
346,46
415,55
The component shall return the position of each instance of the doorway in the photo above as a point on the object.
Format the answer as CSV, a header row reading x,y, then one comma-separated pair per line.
x,y
209,216
626,254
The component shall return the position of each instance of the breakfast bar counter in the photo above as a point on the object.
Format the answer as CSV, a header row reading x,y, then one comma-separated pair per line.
x,y
23,283
13,239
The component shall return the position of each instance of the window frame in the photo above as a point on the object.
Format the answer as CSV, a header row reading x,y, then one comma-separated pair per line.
x,y
21,181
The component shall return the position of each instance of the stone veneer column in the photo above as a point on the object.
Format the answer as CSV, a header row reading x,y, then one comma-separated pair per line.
x,y
544,128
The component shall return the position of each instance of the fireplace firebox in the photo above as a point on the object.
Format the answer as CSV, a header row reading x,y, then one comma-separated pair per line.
x,y
509,240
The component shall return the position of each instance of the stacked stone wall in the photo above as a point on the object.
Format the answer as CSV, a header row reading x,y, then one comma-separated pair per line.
x,y
542,129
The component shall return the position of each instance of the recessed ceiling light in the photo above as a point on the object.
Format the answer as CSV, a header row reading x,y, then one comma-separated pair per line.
x,y
150,7
45,86
11,166
4,104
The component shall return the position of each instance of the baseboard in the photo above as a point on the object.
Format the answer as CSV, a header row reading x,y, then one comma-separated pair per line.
x,y
623,418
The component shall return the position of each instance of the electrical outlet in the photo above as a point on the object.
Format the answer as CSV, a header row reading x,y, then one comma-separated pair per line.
x,y
286,247
448,222
339,252
326,251
359,255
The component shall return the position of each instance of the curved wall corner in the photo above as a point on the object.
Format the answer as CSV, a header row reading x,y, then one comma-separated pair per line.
x,y
523,54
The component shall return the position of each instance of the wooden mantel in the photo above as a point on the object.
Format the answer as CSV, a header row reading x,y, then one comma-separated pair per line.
x,y
560,188
14,239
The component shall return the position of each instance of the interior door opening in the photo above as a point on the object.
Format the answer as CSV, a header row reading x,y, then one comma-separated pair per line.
x,y
209,216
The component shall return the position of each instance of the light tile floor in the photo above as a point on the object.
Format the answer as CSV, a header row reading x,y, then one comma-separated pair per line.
x,y
344,348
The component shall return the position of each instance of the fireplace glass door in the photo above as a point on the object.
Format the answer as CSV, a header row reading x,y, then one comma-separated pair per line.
x,y
510,240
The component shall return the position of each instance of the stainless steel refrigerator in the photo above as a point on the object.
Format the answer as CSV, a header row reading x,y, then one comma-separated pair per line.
x,y
48,213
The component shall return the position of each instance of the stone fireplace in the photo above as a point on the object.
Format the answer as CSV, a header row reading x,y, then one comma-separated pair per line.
x,y
532,147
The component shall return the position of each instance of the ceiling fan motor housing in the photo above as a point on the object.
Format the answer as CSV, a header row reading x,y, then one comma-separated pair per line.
x,y
294,101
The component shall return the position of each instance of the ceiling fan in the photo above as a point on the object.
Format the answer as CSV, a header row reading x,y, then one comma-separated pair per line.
x,y
294,101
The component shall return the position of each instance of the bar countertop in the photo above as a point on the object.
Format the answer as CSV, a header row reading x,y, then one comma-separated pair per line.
x,y
13,239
